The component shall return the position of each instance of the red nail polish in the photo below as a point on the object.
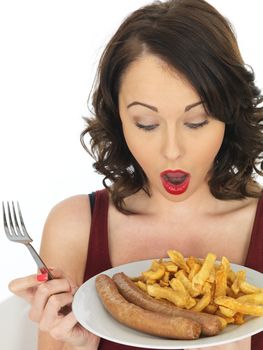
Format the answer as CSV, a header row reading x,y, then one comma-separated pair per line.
x,y
42,277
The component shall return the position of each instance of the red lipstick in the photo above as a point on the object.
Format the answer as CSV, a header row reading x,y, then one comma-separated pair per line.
x,y
175,181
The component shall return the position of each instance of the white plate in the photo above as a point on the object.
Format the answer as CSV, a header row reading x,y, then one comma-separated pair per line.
x,y
91,314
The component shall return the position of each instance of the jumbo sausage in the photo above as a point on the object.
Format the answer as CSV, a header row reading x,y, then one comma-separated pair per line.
x,y
140,319
210,324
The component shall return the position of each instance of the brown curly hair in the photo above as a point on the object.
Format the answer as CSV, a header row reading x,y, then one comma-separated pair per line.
x,y
194,38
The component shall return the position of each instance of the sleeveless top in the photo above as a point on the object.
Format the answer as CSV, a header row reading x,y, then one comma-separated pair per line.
x,y
98,259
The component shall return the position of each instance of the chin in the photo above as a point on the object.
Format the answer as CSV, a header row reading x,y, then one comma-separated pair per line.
x,y
176,198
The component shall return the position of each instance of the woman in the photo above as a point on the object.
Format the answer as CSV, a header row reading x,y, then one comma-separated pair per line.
x,y
177,133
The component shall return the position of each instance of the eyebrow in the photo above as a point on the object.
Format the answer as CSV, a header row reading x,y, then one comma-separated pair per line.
x,y
155,109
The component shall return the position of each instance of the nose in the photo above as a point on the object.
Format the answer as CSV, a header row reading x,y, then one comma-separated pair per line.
x,y
172,145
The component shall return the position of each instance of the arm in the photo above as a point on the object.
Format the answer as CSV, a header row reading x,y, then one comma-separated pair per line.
x,y
64,246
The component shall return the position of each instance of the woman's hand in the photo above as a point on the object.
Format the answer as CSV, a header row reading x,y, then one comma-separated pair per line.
x,y
51,308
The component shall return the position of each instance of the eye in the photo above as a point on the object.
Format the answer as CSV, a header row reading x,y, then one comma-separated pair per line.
x,y
196,125
146,127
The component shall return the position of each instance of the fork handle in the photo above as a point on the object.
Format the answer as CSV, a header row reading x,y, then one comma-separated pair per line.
x,y
40,263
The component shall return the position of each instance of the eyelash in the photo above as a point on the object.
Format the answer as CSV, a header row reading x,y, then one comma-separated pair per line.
x,y
198,125
146,127
189,125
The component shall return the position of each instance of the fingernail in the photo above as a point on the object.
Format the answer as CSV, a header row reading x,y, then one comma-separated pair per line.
x,y
44,270
42,277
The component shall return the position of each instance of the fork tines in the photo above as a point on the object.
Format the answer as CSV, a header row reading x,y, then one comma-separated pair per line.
x,y
14,227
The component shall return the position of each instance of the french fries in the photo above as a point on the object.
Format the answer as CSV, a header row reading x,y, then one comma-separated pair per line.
x,y
203,285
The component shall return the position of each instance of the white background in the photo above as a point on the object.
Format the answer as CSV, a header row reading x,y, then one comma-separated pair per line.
x,y
49,52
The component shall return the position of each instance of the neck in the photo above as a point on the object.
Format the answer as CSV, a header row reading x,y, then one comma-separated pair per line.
x,y
199,203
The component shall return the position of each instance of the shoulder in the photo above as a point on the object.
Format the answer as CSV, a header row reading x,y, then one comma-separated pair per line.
x,y
71,210
247,206
65,236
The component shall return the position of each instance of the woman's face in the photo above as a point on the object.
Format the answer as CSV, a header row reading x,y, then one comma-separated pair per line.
x,y
167,129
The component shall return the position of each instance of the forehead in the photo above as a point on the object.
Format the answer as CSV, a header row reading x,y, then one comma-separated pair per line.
x,y
152,80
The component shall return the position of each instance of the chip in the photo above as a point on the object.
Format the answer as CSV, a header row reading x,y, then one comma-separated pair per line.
x,y
203,286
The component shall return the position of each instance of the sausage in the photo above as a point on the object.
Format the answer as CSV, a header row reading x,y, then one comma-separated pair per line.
x,y
210,324
140,319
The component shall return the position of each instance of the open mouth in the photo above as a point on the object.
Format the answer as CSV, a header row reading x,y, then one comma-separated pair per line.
x,y
175,181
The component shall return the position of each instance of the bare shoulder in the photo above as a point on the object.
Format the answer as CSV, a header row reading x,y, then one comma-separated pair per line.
x,y
246,210
240,212
65,236
71,210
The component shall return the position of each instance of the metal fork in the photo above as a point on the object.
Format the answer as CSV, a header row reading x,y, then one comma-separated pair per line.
x,y
16,232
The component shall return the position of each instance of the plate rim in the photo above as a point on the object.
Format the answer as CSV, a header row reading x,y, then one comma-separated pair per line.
x,y
186,344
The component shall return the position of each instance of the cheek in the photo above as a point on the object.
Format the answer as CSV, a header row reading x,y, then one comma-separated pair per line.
x,y
133,143
211,148
141,149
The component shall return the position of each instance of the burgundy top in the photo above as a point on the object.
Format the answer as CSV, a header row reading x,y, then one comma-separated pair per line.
x,y
98,259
